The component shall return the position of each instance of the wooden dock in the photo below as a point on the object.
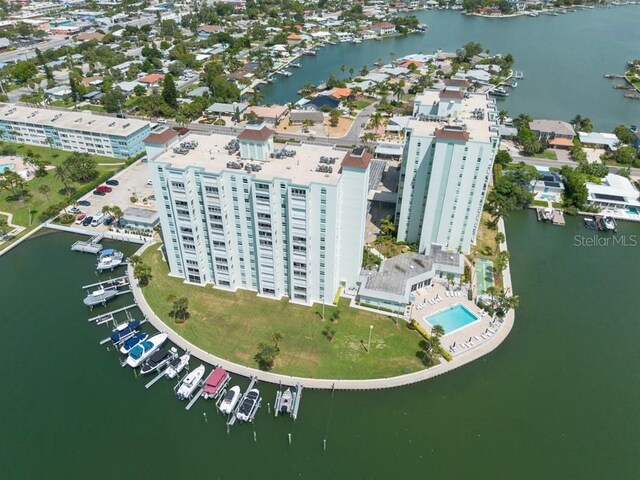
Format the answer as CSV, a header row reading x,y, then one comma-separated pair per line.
x,y
109,316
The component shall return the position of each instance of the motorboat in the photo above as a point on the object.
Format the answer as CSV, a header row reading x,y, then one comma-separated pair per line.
x,y
609,224
215,382
248,407
230,400
190,383
144,350
177,365
125,331
590,223
132,342
286,401
499,92
100,296
109,259
158,359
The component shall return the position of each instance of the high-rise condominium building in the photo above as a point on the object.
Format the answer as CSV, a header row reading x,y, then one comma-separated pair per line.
x,y
448,154
283,220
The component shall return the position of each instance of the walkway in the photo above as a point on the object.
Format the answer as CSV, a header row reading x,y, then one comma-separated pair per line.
x,y
459,360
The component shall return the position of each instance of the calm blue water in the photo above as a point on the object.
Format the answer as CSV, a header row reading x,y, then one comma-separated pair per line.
x,y
5,167
453,318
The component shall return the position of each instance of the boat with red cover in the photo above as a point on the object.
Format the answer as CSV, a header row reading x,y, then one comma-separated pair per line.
x,y
215,383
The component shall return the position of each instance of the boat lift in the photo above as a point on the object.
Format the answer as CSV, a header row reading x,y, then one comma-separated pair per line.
x,y
125,338
122,281
109,317
232,420
297,395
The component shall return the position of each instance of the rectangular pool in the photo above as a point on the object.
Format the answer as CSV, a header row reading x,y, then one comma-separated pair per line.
x,y
452,318
5,167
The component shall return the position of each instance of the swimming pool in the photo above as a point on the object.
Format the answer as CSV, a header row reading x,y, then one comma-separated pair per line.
x,y
453,318
630,210
547,196
5,167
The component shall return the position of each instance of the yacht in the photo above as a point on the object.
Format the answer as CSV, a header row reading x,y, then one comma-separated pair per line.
x,y
249,405
144,350
125,331
190,383
295,64
100,296
109,259
215,382
499,92
159,359
286,401
230,400
177,365
590,223
132,342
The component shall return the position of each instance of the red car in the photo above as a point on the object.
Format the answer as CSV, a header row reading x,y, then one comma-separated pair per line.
x,y
104,188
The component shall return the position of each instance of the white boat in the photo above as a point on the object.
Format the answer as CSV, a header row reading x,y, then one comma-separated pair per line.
x,y
144,350
609,223
177,365
100,296
109,259
286,402
249,405
190,383
230,400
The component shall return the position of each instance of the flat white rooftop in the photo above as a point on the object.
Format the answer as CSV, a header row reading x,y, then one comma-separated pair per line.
x,y
300,168
83,121
478,128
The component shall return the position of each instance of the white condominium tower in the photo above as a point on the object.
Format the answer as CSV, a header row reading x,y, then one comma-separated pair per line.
x,y
448,154
283,220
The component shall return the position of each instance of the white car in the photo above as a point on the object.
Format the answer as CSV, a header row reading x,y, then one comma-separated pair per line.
x,y
162,120
97,219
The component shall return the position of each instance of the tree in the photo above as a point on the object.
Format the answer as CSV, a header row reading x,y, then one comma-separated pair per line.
x,y
142,272
179,308
624,134
334,117
277,337
13,183
62,174
575,191
169,91
450,278
114,99
501,261
582,124
387,225
80,167
24,71
499,238
329,333
437,331
375,120
139,90
44,189
503,157
266,356
522,120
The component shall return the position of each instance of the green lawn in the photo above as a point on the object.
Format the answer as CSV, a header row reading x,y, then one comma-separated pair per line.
x,y
231,325
93,108
38,202
547,155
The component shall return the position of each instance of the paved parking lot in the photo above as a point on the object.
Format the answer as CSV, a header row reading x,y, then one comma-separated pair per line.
x,y
133,182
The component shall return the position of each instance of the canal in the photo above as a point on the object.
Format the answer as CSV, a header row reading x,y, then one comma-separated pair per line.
x,y
558,399
563,58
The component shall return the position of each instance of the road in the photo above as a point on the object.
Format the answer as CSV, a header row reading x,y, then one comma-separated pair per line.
x,y
635,172
26,53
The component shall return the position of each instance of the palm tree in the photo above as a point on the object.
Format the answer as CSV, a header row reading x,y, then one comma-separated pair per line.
x,y
63,174
502,116
277,337
329,332
397,90
522,120
449,280
375,120
387,226
343,67
116,211
45,189
499,238
437,331
142,273
492,291
266,356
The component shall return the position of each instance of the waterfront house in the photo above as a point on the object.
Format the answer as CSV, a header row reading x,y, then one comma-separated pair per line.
x,y
271,114
322,102
297,117
614,191
294,39
549,185
227,109
608,141
559,134
384,28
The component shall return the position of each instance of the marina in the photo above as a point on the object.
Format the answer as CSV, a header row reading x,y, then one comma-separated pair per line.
x,y
89,246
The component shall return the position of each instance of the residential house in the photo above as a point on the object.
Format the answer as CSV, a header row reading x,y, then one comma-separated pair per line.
x,y
270,115
297,117
384,28
152,80
559,134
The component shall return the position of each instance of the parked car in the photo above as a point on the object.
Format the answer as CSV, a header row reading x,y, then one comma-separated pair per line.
x,y
112,182
99,193
74,210
108,220
97,219
80,218
84,203
104,188
162,120
150,182
87,221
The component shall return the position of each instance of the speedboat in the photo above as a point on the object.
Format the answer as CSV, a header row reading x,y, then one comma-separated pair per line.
x,y
158,360
215,382
286,401
230,400
125,331
609,223
132,342
249,405
190,383
143,350
109,259
177,365
100,296
590,223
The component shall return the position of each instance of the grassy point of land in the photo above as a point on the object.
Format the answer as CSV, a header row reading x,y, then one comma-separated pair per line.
x,y
230,325
38,202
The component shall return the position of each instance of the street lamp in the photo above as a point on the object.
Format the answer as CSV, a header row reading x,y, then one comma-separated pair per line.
x,y
369,342
323,308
